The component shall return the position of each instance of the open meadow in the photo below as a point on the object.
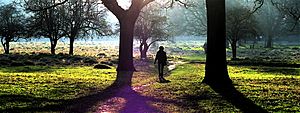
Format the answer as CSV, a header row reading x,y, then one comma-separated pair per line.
x,y
32,80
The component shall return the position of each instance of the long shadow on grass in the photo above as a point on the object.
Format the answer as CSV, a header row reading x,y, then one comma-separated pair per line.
x,y
28,69
237,99
276,70
77,105
33,104
44,59
134,101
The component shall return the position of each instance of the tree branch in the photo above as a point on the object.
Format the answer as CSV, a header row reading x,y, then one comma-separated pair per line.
x,y
112,5
146,2
44,8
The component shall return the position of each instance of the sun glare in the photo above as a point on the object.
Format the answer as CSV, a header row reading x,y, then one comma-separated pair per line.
x,y
125,4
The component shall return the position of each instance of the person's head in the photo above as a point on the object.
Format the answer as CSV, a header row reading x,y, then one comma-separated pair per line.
x,y
161,48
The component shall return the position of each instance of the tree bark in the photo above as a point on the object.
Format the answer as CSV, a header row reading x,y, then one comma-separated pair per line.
x,y
126,44
233,49
143,50
53,45
71,51
6,48
216,66
269,41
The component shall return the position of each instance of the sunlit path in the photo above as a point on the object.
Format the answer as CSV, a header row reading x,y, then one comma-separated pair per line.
x,y
127,99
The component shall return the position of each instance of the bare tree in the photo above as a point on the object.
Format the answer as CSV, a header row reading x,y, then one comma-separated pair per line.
x,y
271,23
195,16
238,25
150,27
12,25
81,17
49,23
189,20
290,9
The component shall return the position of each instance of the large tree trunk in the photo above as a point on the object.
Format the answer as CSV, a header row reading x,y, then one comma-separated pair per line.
x,y
126,44
71,51
216,66
233,49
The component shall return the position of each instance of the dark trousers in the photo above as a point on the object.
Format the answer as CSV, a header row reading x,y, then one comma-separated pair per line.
x,y
160,71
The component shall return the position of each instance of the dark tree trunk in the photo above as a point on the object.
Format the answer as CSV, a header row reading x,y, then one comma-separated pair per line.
x,y
6,48
71,51
126,44
53,45
123,78
143,50
216,66
269,42
6,44
233,49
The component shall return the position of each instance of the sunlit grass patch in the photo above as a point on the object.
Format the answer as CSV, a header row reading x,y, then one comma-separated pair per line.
x,y
37,86
198,57
275,91
186,88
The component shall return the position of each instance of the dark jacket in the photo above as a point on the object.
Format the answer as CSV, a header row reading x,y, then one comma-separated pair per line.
x,y
161,57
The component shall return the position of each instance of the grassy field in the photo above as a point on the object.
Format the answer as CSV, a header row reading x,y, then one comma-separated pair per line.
x,y
27,87
274,91
57,79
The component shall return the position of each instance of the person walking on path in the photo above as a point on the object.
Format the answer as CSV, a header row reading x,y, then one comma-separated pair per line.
x,y
161,59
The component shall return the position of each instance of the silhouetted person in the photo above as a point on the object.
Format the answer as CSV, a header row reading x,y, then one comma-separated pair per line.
x,y
161,59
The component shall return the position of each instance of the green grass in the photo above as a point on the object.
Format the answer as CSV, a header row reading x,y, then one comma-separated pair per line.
x,y
273,91
37,86
276,91
200,57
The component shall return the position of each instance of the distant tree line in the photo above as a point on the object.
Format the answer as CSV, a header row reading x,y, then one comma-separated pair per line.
x,y
275,18
74,19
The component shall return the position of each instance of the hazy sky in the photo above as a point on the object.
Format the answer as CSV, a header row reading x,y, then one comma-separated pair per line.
x,y
111,18
5,1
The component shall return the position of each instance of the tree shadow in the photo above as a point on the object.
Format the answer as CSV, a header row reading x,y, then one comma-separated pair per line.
x,y
33,104
237,99
135,102
254,62
121,88
276,70
28,69
45,59
76,105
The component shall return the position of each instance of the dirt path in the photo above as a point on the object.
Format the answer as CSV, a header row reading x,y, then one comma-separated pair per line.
x,y
128,100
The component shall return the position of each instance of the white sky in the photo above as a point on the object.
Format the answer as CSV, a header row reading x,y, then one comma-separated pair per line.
x,y
125,4
5,1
